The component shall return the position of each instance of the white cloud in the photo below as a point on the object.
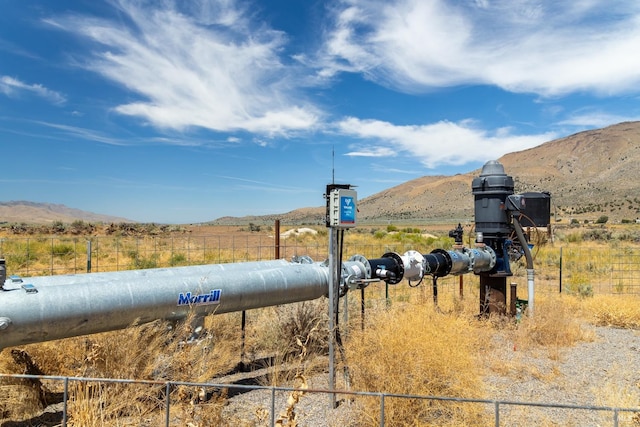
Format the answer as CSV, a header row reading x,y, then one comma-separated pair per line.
x,y
13,87
201,66
549,48
439,143
592,118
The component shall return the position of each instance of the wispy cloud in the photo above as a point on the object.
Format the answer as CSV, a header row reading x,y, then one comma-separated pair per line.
x,y
83,133
439,143
13,87
548,48
262,185
14,49
201,64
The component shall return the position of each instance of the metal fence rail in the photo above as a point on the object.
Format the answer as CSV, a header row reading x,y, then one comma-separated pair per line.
x,y
496,405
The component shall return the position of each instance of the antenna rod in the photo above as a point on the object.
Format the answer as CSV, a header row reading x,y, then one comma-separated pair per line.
x,y
333,165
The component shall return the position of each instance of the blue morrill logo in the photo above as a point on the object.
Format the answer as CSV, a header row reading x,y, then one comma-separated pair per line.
x,y
212,297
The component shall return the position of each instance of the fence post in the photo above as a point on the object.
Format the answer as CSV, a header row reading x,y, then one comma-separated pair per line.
x,y
381,409
51,269
560,281
27,261
277,237
65,399
88,256
167,404
273,406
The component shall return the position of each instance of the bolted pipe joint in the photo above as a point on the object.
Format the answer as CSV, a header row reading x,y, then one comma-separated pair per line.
x,y
355,273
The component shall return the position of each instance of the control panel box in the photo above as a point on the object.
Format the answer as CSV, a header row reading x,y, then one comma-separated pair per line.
x,y
342,208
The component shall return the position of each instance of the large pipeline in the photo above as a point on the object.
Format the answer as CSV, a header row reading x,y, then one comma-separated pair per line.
x,y
48,308
40,309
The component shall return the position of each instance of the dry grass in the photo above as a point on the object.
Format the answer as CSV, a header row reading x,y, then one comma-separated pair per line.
x,y
148,352
407,347
612,310
417,350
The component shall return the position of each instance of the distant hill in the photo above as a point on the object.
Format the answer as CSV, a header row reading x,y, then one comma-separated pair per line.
x,y
46,213
589,174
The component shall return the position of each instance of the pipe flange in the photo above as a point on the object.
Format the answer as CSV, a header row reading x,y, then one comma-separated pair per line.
x,y
400,263
365,263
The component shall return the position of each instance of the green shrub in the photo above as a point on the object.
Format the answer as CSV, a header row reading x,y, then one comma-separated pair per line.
x,y
178,259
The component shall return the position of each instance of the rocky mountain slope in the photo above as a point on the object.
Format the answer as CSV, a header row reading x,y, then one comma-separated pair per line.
x,y
589,174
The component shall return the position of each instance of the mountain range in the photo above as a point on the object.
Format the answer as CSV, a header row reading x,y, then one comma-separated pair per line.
x,y
19,211
589,174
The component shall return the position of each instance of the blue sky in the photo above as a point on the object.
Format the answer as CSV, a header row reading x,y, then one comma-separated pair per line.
x,y
186,111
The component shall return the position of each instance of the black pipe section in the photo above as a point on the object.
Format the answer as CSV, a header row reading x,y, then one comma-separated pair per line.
x,y
438,262
389,268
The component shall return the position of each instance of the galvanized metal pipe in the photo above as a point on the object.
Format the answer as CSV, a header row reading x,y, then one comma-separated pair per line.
x,y
73,305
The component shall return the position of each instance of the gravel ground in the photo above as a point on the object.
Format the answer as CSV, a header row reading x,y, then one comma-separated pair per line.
x,y
602,372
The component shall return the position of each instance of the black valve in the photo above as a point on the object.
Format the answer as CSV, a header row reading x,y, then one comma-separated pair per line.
x,y
457,233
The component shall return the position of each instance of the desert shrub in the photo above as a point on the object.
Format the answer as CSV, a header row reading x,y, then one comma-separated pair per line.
x,y
63,250
417,351
578,285
620,311
379,234
155,351
288,326
598,234
139,262
178,259
573,237
58,227
553,326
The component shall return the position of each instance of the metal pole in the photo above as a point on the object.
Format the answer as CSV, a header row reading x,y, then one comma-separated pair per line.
x,y
560,284
52,249
362,306
243,324
277,237
386,293
167,404
88,256
332,305
65,400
